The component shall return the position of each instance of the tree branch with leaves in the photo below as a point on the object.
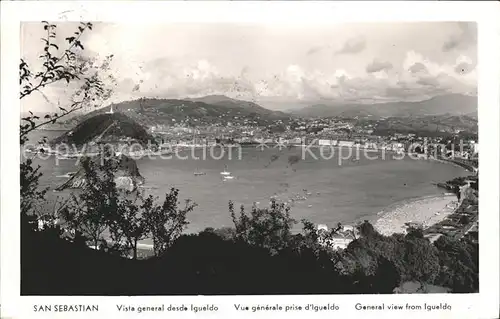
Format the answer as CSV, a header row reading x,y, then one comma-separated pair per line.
x,y
67,66
58,65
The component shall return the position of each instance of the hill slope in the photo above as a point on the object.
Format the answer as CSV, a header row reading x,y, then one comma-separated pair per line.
x,y
431,123
453,104
222,100
104,127
220,110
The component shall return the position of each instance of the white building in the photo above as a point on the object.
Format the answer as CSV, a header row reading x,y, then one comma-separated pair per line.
x,y
338,241
322,227
475,147
110,110
346,143
324,142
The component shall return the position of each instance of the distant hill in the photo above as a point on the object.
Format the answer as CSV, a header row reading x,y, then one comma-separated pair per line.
x,y
213,109
104,127
223,100
453,104
445,123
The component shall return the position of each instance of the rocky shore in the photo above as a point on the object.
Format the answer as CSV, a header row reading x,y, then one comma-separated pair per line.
x,y
127,175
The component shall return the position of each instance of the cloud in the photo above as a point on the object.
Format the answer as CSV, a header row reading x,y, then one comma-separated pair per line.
x,y
464,65
428,81
377,66
417,68
317,49
273,64
353,46
464,68
297,83
466,37
167,78
413,78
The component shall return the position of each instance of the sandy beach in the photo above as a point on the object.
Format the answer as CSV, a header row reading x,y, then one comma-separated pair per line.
x,y
427,211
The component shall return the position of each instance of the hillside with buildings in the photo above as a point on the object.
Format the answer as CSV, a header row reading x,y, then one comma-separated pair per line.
x,y
210,110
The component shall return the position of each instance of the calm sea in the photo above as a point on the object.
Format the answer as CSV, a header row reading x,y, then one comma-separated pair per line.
x,y
321,190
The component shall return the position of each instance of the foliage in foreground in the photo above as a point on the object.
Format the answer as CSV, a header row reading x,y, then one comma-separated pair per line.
x,y
222,261
127,216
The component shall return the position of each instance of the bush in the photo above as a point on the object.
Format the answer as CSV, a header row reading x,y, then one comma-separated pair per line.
x,y
268,228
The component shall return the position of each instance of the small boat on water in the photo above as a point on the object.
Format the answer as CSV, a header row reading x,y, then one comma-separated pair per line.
x,y
198,173
147,187
225,172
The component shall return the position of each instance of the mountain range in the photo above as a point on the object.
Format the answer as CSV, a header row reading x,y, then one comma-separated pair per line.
x,y
454,109
214,109
451,104
444,123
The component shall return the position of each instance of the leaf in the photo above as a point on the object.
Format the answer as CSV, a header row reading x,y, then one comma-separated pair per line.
x,y
70,39
47,116
79,44
55,46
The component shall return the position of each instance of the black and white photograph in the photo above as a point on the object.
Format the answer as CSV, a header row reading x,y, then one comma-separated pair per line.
x,y
236,158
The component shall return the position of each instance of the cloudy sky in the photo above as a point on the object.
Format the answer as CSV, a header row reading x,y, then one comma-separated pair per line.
x,y
278,66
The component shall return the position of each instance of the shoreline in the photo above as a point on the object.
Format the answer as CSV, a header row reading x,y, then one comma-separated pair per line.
x,y
414,209
427,210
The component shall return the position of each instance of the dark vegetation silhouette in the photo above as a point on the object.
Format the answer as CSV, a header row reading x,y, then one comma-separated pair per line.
x,y
259,255
108,126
